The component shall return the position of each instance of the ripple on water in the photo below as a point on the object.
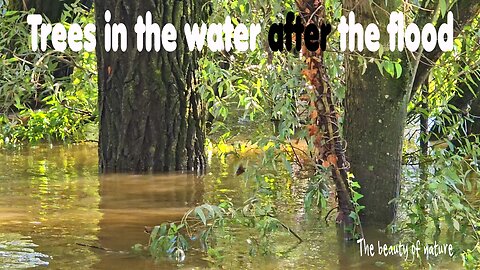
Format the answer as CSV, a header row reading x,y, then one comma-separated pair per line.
x,y
18,252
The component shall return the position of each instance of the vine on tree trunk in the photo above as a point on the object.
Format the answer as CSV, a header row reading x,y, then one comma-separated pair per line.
x,y
329,147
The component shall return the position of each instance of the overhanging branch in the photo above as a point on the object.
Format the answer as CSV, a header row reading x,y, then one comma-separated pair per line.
x,y
463,11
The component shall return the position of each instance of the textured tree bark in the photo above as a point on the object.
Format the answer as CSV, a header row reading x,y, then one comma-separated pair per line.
x,y
151,117
375,111
375,115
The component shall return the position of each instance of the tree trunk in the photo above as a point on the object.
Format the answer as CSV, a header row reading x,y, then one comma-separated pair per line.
x,y
375,113
329,148
375,116
376,104
151,118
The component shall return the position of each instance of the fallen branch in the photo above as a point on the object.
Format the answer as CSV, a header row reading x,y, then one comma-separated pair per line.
x,y
290,231
94,247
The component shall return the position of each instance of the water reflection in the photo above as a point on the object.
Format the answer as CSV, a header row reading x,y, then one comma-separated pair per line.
x,y
130,202
52,199
51,195
17,251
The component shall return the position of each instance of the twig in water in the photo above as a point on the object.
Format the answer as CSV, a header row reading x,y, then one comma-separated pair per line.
x,y
92,246
328,214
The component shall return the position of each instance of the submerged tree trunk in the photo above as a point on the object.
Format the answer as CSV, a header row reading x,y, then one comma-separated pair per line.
x,y
151,117
328,143
375,113
375,116
376,104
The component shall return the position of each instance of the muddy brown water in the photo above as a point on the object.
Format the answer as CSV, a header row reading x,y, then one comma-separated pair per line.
x,y
52,199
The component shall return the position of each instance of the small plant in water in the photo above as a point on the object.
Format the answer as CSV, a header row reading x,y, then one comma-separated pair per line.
x,y
208,223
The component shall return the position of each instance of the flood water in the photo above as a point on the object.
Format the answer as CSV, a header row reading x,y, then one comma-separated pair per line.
x,y
55,208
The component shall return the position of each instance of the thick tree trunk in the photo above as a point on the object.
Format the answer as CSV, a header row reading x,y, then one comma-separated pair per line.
x,y
375,113
151,118
376,109
375,116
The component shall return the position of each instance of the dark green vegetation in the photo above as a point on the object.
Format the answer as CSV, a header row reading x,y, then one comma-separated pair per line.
x,y
409,122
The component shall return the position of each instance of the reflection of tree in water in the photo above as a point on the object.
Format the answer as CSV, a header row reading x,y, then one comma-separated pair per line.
x,y
55,191
130,202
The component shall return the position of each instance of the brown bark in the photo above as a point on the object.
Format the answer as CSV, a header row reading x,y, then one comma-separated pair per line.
x,y
325,130
151,117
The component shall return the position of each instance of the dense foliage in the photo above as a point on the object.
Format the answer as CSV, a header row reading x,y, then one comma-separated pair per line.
x,y
259,103
44,96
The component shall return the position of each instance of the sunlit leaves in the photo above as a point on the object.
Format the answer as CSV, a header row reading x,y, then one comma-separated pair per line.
x,y
443,197
171,238
40,106
392,68
451,166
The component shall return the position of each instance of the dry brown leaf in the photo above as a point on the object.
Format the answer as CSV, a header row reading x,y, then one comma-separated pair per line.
x,y
332,159
326,163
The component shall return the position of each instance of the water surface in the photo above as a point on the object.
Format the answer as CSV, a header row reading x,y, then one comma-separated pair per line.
x,y
55,209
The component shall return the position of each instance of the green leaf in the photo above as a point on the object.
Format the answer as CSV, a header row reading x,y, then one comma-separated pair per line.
x,y
456,225
183,242
389,68
443,7
357,196
201,215
380,66
211,212
353,215
287,165
355,184
308,199
398,70
154,233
